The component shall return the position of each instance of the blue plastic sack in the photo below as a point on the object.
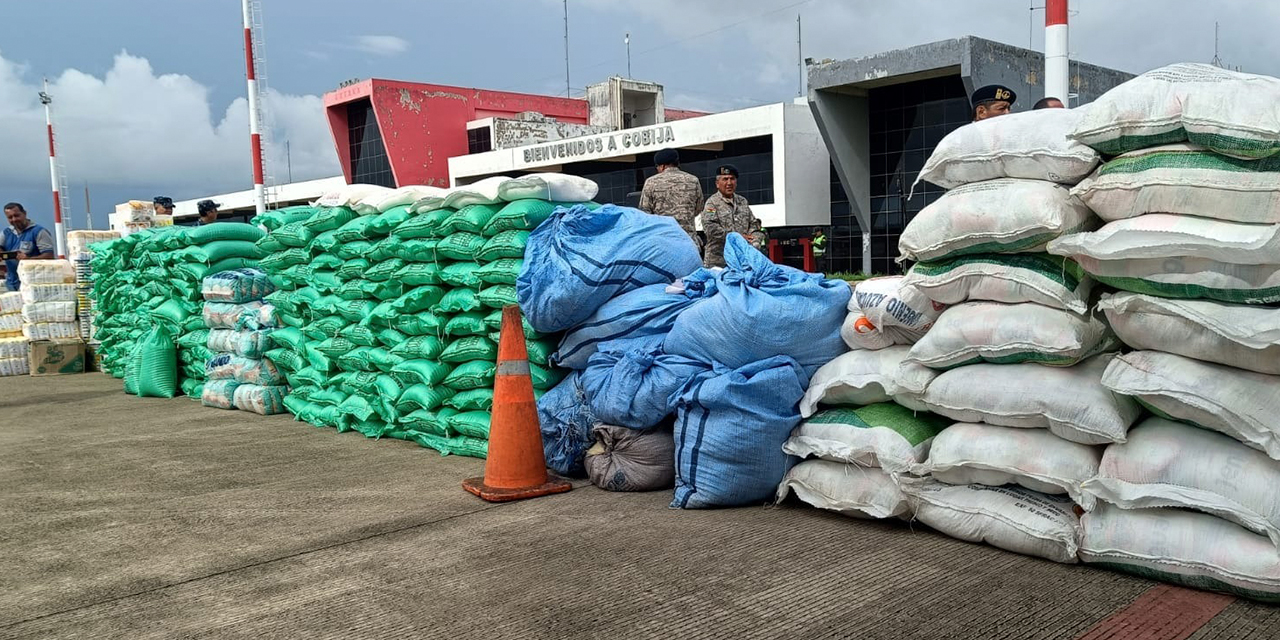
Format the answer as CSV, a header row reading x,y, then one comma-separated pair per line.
x,y
760,310
634,384
578,259
566,422
647,311
729,434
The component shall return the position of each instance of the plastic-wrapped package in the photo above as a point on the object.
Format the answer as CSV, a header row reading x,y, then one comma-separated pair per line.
x,y
50,330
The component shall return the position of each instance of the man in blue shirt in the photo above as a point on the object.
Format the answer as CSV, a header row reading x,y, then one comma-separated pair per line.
x,y
23,240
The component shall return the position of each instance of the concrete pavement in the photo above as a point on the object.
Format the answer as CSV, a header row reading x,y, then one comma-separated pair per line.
x,y
137,518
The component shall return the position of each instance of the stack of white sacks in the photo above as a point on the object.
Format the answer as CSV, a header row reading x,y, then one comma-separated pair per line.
x,y
48,300
80,254
1192,241
14,348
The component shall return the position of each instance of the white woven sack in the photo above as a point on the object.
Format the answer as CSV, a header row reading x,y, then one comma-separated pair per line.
x,y
554,187
384,200
1032,277
1183,547
49,312
351,194
1009,334
1184,179
1068,401
884,312
1182,257
1032,145
1170,464
1010,518
848,489
967,453
859,377
1242,404
1245,337
481,192
886,439
1230,112
1006,215
45,272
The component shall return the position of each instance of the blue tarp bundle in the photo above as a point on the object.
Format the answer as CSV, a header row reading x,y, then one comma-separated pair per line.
x,y
729,433
566,422
579,259
760,310
633,384
647,311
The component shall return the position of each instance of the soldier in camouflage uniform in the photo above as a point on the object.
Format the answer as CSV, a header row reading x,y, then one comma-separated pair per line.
x,y
727,212
672,192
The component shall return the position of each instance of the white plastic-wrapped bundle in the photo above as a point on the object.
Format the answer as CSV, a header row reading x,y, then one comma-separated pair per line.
x,y
64,292
14,367
50,330
10,323
49,312
14,348
45,272
10,302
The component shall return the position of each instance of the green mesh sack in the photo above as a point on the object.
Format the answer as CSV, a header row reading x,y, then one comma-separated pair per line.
x,y
218,250
270,244
327,262
363,289
503,271
520,215
540,350
324,327
508,244
297,406
355,249
433,422
494,321
457,445
280,300
418,250
222,231
422,226
353,268
289,338
384,249
457,301
298,275
281,261
428,372
328,417
193,339
461,274
312,376
355,310
325,243
545,377
470,348
418,299
354,381
319,361
413,274
286,359
387,390
383,359
359,229
420,346
357,407
498,296
374,428
474,424
303,298
385,270
326,304
272,220
388,220
358,359
470,375
360,335
335,347
131,368
466,324
471,218
192,388
328,397
472,400
330,218
171,312
461,246
390,338
324,281
157,365
421,396
294,234
417,324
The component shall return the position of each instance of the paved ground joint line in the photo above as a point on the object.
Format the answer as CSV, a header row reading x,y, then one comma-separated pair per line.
x,y
1163,612
296,554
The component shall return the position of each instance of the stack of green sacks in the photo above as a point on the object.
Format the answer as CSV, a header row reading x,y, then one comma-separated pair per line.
x,y
152,278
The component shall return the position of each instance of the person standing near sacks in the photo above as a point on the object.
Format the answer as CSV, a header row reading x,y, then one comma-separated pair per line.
x,y
991,101
727,212
673,192
208,211
22,240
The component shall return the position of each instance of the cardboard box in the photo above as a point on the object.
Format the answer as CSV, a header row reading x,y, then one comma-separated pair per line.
x,y
57,357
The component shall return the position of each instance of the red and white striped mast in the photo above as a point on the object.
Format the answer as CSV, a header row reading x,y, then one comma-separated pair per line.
x,y
59,231
255,124
1056,58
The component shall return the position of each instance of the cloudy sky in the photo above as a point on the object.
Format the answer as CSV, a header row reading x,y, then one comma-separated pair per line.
x,y
150,93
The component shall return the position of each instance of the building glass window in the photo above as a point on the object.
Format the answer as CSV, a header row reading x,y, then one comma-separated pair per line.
x,y
906,123
479,140
369,162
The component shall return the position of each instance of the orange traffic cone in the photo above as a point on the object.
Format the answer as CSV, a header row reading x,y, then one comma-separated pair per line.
x,y
515,468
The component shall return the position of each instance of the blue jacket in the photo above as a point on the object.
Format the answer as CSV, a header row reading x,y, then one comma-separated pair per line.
x,y
33,241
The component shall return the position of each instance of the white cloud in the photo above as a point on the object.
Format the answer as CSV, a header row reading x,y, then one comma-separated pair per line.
x,y
132,128
381,45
